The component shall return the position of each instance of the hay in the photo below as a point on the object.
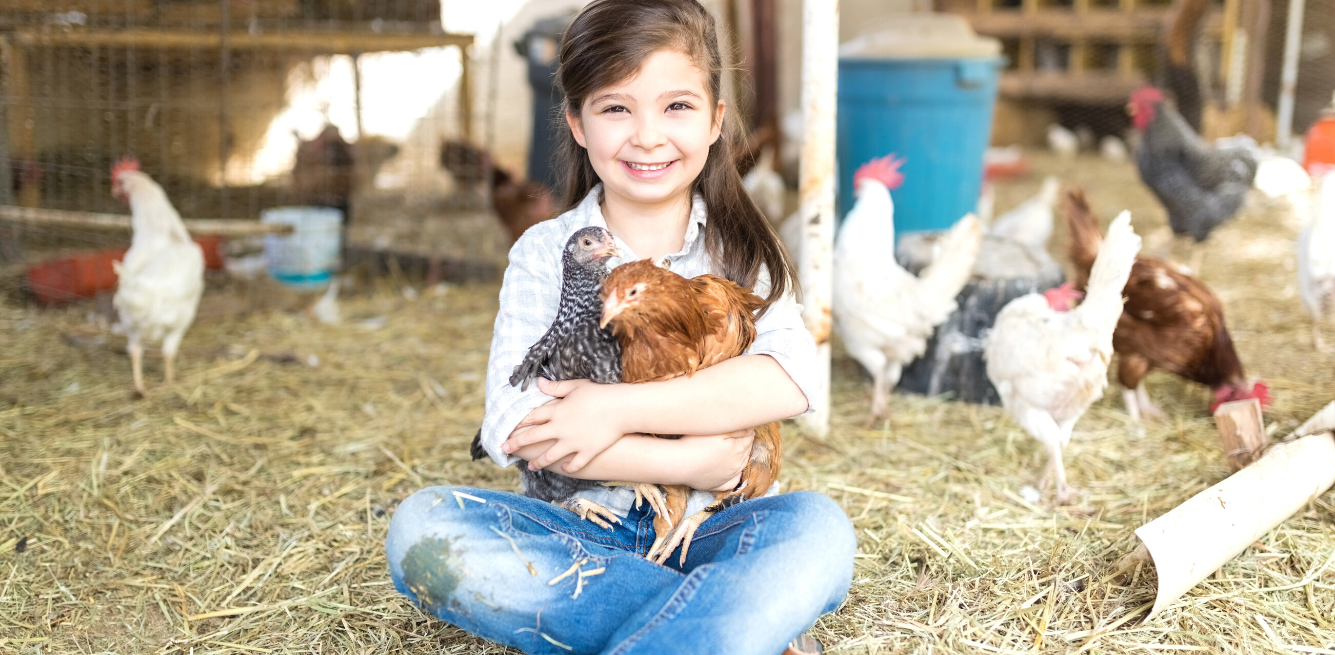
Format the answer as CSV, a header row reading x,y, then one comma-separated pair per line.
x,y
244,510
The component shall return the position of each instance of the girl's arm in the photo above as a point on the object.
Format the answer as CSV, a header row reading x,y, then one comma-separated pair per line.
x,y
529,299
736,394
712,463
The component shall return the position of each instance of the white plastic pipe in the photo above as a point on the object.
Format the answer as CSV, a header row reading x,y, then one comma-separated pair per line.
x,y
820,71
1202,534
1288,80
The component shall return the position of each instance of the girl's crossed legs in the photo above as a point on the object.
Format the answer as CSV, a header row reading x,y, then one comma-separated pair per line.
x,y
534,576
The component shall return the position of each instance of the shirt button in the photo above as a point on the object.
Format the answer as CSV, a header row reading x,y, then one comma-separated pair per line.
x,y
665,264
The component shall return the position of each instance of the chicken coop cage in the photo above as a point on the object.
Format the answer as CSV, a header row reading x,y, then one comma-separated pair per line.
x,y
1074,64
238,108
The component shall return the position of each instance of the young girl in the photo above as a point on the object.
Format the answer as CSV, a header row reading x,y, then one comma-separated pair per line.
x,y
645,157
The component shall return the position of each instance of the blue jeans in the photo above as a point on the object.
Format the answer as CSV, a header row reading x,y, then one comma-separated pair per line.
x,y
533,576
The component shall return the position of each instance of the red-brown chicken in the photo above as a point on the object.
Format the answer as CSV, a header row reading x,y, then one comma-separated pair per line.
x,y
520,204
1171,321
670,326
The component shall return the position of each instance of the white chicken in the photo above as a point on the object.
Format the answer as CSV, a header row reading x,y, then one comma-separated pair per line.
x,y
1113,149
1030,223
162,276
882,312
1316,258
765,185
1049,362
1063,141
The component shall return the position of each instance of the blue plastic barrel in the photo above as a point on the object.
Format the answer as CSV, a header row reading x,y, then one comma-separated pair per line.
x,y
934,112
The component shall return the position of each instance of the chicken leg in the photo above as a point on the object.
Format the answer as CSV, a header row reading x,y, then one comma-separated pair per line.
x,y
883,382
170,345
592,512
1044,428
646,492
684,532
137,365
1138,402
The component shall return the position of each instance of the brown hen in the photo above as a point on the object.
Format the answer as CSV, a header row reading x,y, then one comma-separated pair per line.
x,y
670,326
1170,321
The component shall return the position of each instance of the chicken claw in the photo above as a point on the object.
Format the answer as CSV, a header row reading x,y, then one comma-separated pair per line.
x,y
652,494
592,512
679,536
646,492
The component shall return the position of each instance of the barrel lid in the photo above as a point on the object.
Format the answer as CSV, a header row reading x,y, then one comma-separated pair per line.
x,y
920,36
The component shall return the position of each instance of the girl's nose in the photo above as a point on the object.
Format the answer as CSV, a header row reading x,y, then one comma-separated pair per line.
x,y
648,134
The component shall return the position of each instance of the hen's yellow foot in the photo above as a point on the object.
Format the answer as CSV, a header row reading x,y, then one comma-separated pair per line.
x,y
679,536
592,512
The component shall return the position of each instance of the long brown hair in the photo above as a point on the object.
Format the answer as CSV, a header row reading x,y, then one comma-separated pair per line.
x,y
606,44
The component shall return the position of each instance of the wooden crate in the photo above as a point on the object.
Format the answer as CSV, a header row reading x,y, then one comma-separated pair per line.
x,y
1075,51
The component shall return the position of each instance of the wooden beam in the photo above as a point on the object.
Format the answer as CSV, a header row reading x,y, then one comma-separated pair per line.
x,y
820,67
466,92
219,226
310,41
1143,25
1092,87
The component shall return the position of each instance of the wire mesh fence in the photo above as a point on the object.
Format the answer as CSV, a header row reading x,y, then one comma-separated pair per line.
x,y
237,107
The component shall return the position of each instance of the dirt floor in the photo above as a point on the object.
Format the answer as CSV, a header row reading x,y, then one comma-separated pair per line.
x,y
244,509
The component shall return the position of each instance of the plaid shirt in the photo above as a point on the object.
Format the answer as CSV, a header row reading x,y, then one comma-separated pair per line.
x,y
528,302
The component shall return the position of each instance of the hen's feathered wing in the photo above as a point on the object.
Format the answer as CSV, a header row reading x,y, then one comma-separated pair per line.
x,y
1057,362
1201,186
573,348
881,310
1030,223
161,278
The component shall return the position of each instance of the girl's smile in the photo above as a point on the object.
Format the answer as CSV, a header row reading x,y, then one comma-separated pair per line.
x,y
649,171
648,137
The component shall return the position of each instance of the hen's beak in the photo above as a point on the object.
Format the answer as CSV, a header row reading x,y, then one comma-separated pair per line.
x,y
608,251
1131,109
611,308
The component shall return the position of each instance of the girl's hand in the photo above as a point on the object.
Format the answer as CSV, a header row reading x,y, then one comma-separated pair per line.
x,y
720,459
580,422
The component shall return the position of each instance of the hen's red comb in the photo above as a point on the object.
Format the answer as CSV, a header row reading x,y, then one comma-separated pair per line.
x,y
125,164
1229,393
1146,95
882,169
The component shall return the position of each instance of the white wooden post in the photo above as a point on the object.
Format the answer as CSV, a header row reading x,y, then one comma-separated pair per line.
x,y
1288,82
820,70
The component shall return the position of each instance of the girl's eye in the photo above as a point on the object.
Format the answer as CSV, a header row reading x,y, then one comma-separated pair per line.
x,y
678,106
614,109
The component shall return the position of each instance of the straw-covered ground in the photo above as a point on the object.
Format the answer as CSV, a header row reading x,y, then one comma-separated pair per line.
x,y
244,509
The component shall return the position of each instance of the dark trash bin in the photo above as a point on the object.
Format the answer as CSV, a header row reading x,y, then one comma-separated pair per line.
x,y
539,46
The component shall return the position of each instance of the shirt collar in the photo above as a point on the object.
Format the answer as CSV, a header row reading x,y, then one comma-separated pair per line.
x,y
591,208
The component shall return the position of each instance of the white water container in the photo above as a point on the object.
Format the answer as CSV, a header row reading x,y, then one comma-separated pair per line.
x,y
308,257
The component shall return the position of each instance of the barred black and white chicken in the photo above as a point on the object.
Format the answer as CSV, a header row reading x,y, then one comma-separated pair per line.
x,y
1200,185
575,347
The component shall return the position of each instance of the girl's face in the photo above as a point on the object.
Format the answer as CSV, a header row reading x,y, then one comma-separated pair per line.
x,y
648,137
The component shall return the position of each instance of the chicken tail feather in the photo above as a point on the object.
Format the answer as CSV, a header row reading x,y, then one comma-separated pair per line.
x,y
1112,267
946,276
1085,236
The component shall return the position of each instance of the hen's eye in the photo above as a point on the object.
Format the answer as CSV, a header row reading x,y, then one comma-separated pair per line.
x,y
632,292
588,242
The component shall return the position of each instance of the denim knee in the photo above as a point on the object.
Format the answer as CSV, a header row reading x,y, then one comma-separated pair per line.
x,y
824,530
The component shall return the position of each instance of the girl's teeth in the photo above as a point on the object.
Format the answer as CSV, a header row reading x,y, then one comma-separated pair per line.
x,y
647,167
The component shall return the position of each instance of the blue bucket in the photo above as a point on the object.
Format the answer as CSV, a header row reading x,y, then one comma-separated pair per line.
x,y
936,112
308,257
